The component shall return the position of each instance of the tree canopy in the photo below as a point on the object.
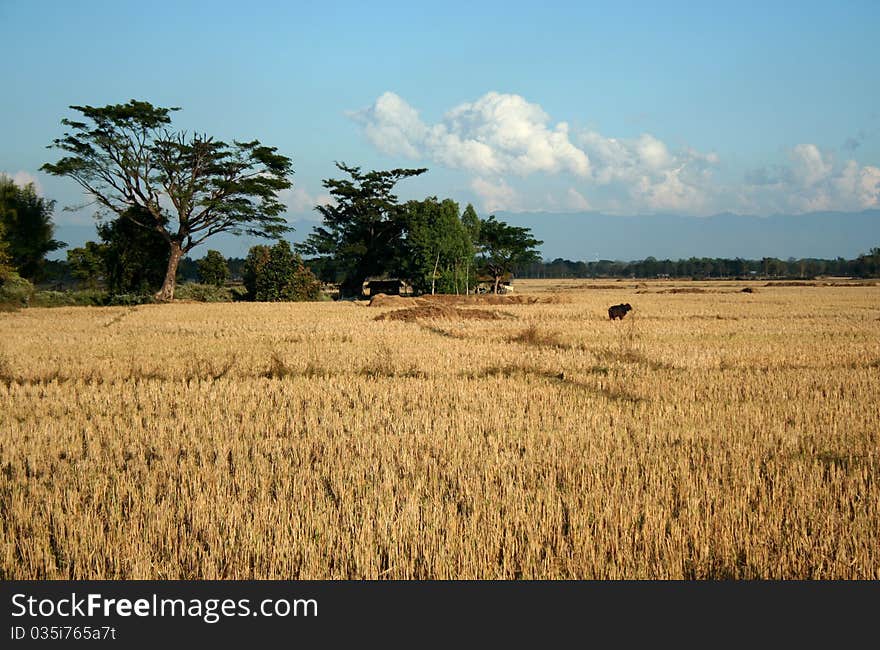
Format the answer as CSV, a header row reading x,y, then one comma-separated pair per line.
x,y
504,247
185,186
213,268
27,219
437,245
361,230
5,259
129,259
276,273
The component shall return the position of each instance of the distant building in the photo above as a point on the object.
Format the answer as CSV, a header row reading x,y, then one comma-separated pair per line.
x,y
388,286
486,284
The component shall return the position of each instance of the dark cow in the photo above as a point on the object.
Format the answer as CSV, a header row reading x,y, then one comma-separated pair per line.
x,y
618,311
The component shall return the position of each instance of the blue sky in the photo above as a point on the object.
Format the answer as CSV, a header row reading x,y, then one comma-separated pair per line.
x,y
622,108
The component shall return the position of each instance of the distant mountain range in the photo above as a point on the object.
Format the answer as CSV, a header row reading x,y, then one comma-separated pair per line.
x,y
589,236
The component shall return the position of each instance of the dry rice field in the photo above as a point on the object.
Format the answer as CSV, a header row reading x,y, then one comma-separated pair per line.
x,y
710,434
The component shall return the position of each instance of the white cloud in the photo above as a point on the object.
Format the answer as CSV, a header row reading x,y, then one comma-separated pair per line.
x,y
497,195
503,140
392,125
574,200
809,166
23,179
813,181
498,133
649,175
300,202
858,186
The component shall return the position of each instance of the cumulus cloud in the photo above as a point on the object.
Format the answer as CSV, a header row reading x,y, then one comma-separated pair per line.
x,y
652,177
496,195
502,140
809,166
813,180
504,136
498,133
393,126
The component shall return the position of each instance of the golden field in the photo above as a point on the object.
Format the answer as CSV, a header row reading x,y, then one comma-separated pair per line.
x,y
710,434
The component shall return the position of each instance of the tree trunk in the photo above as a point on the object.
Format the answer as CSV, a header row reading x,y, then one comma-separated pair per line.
x,y
497,282
166,293
434,274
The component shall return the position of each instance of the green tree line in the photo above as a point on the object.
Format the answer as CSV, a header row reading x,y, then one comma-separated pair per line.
x,y
863,266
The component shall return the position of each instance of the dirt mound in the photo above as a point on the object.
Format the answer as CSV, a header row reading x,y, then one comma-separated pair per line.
x,y
438,312
382,300
686,290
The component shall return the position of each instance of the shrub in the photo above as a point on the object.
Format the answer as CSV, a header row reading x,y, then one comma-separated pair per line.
x,y
204,293
82,298
278,274
14,289
128,299
213,269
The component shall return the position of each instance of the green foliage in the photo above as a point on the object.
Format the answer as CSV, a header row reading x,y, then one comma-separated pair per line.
x,y
87,298
362,230
86,264
436,247
128,299
127,158
865,265
5,259
27,221
471,223
868,264
504,247
129,259
15,290
206,293
83,298
135,259
278,274
254,265
213,269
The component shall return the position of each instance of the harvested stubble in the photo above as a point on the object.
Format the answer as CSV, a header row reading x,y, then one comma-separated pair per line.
x,y
310,441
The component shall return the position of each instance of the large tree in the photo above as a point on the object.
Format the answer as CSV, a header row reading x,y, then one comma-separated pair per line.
x,y
187,187
27,219
362,230
504,247
437,245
